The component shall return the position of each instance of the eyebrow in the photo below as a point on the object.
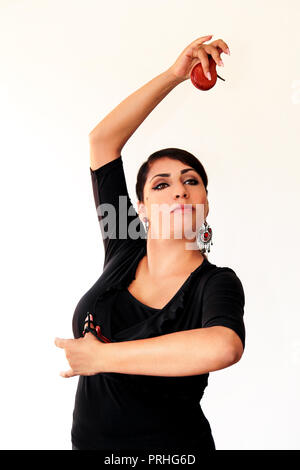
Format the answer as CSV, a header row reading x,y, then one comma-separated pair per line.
x,y
169,174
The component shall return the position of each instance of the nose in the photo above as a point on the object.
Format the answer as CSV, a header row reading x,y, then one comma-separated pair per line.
x,y
181,193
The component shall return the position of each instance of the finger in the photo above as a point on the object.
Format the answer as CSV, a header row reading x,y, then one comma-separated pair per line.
x,y
204,38
89,335
67,374
61,342
201,54
222,45
215,54
199,41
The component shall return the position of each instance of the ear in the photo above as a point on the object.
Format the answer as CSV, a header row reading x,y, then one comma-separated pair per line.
x,y
141,210
206,208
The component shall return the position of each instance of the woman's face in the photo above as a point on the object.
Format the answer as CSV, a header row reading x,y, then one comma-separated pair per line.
x,y
162,193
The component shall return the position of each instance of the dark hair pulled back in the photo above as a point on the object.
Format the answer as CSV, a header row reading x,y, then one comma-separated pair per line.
x,y
176,154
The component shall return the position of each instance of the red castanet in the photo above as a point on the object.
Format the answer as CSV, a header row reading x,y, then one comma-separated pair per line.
x,y
199,79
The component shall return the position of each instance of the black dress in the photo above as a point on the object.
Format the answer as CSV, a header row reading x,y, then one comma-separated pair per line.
x,y
125,411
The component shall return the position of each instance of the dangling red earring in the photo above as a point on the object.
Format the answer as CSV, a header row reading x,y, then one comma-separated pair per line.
x,y
204,238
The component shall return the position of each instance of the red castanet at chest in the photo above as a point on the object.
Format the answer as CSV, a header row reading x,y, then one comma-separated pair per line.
x,y
101,336
96,331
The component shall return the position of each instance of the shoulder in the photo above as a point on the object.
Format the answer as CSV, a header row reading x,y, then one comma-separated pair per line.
x,y
115,163
224,279
213,279
223,273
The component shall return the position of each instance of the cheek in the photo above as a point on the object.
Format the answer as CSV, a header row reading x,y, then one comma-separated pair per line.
x,y
200,197
156,201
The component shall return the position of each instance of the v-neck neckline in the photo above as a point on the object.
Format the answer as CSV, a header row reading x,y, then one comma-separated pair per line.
x,y
137,301
175,296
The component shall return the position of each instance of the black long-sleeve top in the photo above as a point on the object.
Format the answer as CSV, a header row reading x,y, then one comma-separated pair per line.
x,y
127,411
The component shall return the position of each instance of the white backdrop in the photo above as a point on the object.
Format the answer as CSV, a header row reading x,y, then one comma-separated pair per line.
x,y
64,65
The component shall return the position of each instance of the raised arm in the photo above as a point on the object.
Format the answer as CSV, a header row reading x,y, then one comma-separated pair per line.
x,y
111,134
106,166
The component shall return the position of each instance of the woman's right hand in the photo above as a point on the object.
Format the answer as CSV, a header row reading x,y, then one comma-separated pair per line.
x,y
198,52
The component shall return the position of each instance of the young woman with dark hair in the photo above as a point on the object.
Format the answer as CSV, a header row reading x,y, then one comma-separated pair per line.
x,y
161,317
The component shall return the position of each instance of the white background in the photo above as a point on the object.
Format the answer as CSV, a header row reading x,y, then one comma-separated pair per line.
x,y
64,65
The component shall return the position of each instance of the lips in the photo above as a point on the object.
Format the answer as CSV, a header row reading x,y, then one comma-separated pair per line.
x,y
183,208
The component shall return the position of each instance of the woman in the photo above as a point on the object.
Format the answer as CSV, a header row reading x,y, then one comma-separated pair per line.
x,y
161,316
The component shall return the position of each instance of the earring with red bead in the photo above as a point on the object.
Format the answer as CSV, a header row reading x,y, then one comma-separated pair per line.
x,y
204,238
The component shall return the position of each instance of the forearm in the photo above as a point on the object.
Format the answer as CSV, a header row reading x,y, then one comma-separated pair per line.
x,y
118,126
183,353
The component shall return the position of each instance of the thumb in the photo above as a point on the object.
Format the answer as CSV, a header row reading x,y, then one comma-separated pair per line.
x,y
61,342
203,38
68,373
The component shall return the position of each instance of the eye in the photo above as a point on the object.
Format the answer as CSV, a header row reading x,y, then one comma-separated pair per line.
x,y
194,181
157,187
191,179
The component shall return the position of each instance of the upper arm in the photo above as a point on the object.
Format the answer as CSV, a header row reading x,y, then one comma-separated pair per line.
x,y
223,306
101,152
119,221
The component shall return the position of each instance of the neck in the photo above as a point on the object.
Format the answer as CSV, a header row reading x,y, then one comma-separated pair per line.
x,y
168,257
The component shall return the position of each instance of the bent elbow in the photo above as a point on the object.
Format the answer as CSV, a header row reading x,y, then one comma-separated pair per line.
x,y
235,355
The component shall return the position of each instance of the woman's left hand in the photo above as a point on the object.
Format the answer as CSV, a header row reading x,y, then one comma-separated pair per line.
x,y
82,354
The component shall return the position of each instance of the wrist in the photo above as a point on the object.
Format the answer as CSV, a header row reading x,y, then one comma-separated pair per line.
x,y
105,357
172,77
